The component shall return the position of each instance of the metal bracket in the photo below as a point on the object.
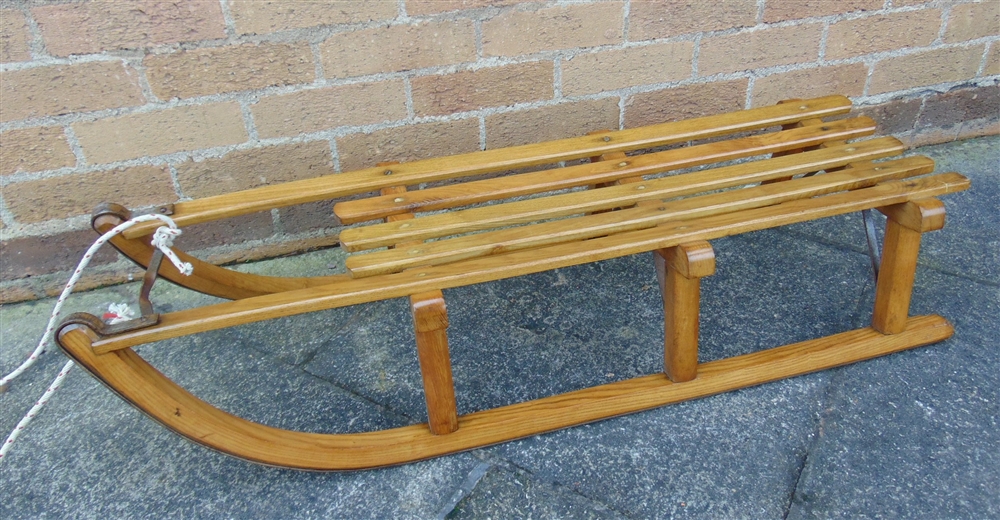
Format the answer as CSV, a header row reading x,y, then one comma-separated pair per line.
x,y
148,318
874,253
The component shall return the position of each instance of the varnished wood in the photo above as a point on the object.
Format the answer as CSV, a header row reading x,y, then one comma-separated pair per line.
x,y
372,179
611,156
559,225
167,403
599,173
679,270
530,210
430,320
208,278
903,230
469,272
581,228
919,215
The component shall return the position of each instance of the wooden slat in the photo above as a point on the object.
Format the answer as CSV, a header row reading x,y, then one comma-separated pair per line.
x,y
519,212
413,281
167,403
590,226
598,173
366,180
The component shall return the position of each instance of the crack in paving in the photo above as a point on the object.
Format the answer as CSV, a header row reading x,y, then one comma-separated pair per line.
x,y
821,417
554,486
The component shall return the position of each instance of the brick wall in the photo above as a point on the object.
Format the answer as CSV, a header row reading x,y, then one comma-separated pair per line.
x,y
150,102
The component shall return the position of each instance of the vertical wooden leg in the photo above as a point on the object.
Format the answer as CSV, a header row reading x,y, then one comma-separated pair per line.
x,y
903,228
430,319
679,270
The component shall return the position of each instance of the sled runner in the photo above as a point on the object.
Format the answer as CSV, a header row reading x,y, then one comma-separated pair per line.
x,y
636,194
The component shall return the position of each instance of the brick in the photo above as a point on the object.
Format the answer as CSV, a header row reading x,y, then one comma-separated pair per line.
x,y
993,60
412,47
34,149
308,217
84,28
489,87
925,68
565,27
622,68
551,122
263,17
63,89
882,33
273,249
202,72
930,136
319,109
236,230
15,291
893,117
78,194
425,7
954,107
781,10
978,128
15,39
649,19
245,169
34,256
112,274
759,49
971,21
408,143
848,80
685,102
161,132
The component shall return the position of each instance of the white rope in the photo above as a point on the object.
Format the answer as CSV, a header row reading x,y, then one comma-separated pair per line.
x,y
162,239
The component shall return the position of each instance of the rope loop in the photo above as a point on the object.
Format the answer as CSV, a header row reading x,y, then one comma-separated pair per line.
x,y
163,239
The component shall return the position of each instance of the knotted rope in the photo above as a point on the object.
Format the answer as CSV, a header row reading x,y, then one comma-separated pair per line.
x,y
163,239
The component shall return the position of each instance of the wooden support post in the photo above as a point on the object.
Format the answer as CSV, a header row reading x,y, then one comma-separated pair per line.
x,y
430,323
430,319
679,270
903,228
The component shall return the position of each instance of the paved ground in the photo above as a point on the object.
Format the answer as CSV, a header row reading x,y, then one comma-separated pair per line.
x,y
914,434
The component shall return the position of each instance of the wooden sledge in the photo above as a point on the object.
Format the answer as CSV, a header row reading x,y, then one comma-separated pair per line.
x,y
415,250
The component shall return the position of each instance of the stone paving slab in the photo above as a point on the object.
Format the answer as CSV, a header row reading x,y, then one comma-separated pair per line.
x,y
909,435
969,244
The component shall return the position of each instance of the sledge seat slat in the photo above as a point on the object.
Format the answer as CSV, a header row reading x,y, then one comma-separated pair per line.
x,y
641,217
560,205
373,179
462,194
